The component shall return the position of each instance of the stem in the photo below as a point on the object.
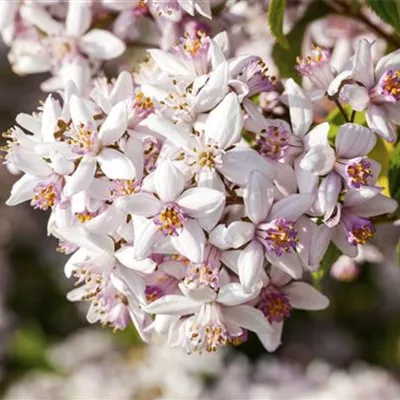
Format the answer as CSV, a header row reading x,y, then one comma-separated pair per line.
x,y
342,110
353,115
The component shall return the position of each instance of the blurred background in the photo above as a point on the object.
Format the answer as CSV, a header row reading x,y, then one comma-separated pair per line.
x,y
49,351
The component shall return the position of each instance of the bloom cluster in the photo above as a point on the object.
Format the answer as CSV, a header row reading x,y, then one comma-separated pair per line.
x,y
186,211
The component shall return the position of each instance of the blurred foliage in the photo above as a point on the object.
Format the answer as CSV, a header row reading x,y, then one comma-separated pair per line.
x,y
388,11
276,12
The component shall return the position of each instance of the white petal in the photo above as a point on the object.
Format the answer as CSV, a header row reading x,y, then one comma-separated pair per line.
x,y
390,61
248,317
190,242
115,165
238,233
291,207
82,178
198,202
328,193
271,341
22,190
169,181
115,125
355,95
258,197
319,243
307,182
354,140
319,160
168,63
30,162
287,262
317,136
80,113
232,294
306,297
377,119
79,17
173,305
378,205
340,240
145,239
300,108
37,16
101,45
363,70
143,204
250,264
125,257
224,124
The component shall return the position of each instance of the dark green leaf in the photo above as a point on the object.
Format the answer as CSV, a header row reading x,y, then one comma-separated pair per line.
x,y
394,173
276,12
388,11
285,59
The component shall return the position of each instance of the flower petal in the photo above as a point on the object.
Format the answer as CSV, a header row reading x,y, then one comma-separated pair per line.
x,y
287,262
377,119
173,304
115,165
305,297
101,45
115,125
82,178
248,317
250,264
291,207
126,257
353,140
271,341
319,160
169,181
143,204
232,294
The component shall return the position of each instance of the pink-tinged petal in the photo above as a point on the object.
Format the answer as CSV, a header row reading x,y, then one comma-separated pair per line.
x,y
356,197
80,113
378,205
115,125
213,91
133,149
215,53
292,207
173,305
278,277
318,136
238,233
191,241
169,63
169,181
300,108
238,163
304,228
319,160
82,178
143,204
22,190
222,41
390,61
378,119
125,257
287,262
305,297
101,45
176,134
340,240
199,202
255,121
355,95
233,294
250,264
354,140
204,8
306,181
393,111
145,238
8,10
247,317
115,165
328,193
79,17
258,197
285,179
321,237
231,260
217,237
211,219
224,124
39,17
271,341
135,284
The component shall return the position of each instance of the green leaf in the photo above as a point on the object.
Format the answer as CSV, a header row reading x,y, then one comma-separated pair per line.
x,y
331,255
285,59
388,11
394,173
276,12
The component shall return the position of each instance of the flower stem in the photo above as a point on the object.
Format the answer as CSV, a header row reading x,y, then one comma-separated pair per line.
x,y
342,110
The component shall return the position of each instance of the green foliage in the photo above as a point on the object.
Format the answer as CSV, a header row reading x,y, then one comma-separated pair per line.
x,y
331,255
398,252
394,173
285,59
276,13
388,11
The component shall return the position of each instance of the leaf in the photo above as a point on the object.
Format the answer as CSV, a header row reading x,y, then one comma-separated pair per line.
x,y
276,13
388,11
394,173
285,59
331,255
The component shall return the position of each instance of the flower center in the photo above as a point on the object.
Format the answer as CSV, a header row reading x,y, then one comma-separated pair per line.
x,y
201,274
84,216
170,220
391,85
273,142
192,45
358,173
361,231
84,140
46,196
143,103
278,236
123,187
274,304
153,293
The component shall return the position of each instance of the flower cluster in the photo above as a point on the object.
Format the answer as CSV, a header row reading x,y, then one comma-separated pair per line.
x,y
186,210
